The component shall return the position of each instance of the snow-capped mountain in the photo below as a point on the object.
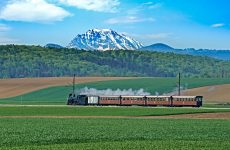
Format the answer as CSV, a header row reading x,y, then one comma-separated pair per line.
x,y
104,39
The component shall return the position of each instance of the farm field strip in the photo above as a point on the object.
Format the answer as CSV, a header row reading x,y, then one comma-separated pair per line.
x,y
39,133
212,93
58,94
217,115
211,106
17,86
101,111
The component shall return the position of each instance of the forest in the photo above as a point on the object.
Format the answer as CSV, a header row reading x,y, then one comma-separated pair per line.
x,y
19,61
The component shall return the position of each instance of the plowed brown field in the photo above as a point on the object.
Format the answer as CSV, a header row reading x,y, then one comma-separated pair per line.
x,y
215,93
14,87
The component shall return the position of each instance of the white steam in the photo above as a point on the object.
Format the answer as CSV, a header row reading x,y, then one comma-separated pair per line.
x,y
110,92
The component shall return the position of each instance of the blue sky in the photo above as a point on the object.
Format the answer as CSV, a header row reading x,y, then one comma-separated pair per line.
x,y
179,23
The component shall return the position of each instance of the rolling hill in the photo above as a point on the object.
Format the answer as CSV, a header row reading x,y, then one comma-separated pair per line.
x,y
160,47
35,61
14,87
155,86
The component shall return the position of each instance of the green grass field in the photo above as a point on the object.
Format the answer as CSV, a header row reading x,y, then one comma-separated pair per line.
x,y
100,111
95,133
58,95
114,134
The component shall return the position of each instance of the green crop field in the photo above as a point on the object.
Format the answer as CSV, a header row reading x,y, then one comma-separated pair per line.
x,y
110,133
100,111
58,95
114,134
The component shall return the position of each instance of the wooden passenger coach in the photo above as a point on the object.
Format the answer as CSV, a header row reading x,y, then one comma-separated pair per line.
x,y
109,100
132,100
158,100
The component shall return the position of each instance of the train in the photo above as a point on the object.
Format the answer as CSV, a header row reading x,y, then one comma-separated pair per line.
x,y
102,100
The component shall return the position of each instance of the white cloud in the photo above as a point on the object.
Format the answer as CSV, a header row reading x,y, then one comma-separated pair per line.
x,y
128,19
142,7
152,5
217,25
94,5
4,27
32,11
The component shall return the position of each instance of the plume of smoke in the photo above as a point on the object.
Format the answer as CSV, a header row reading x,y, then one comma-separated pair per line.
x,y
110,92
157,93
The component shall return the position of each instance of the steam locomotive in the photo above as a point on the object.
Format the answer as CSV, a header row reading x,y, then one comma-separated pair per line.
x,y
170,101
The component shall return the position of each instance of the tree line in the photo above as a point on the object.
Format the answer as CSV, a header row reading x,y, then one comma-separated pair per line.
x,y
36,61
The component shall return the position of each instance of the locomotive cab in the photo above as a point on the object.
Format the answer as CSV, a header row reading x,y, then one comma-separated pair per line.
x,y
71,99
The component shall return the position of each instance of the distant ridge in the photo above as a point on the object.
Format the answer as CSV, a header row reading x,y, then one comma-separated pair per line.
x,y
158,47
51,45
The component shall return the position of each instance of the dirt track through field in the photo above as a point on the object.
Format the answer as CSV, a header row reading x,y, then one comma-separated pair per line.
x,y
223,115
215,93
15,87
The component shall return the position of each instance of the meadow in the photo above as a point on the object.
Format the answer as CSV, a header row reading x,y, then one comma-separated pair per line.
x,y
58,95
44,130
100,111
114,134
